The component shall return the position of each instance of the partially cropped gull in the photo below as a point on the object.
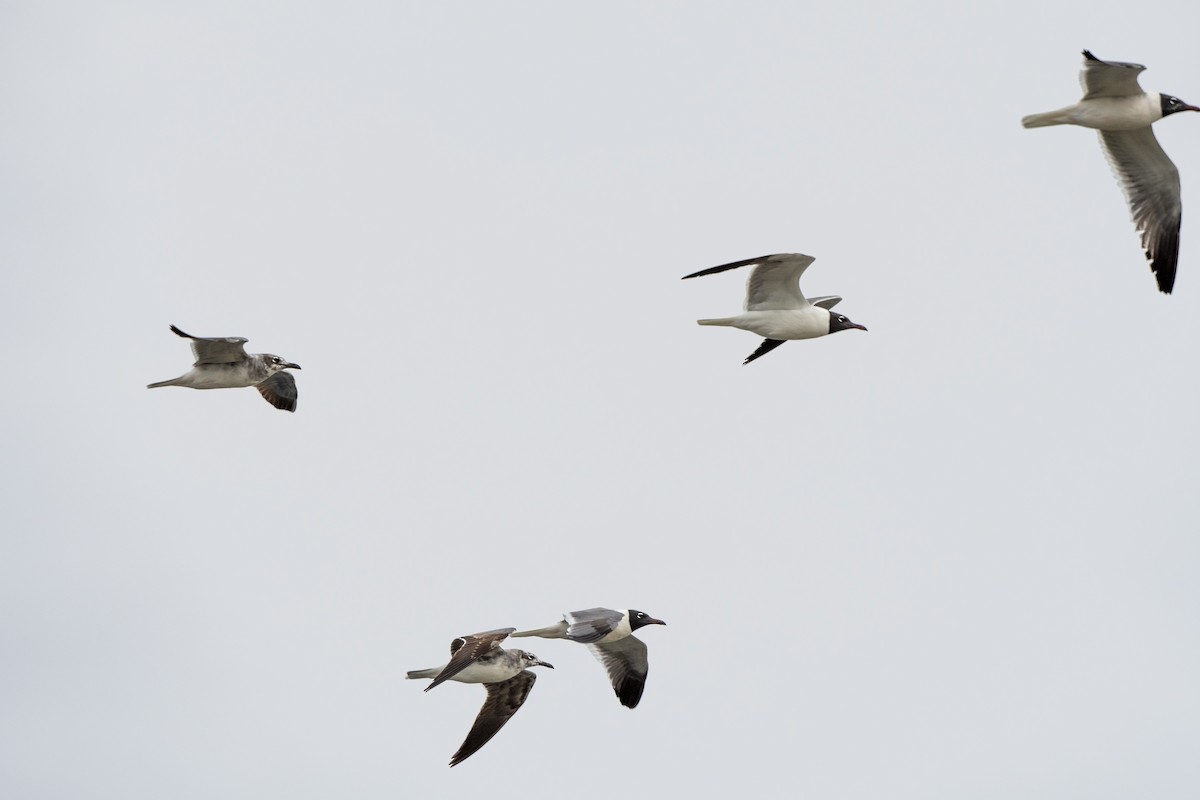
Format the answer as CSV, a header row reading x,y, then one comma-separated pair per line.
x,y
609,635
222,363
479,658
1114,104
775,307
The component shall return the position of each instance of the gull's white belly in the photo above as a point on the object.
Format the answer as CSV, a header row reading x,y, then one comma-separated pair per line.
x,y
804,324
218,376
480,672
1117,113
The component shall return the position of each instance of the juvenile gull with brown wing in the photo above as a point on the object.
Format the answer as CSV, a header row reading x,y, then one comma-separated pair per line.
x,y
479,658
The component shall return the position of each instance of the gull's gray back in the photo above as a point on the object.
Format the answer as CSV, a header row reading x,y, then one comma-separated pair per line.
x,y
592,624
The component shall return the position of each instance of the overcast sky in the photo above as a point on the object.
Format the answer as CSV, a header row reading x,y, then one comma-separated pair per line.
x,y
955,556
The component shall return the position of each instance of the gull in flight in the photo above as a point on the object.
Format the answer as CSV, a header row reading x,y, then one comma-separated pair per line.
x,y
222,363
1114,104
609,635
775,306
479,658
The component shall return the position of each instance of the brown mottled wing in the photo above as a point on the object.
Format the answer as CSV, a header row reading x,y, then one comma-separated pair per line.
x,y
280,391
503,700
1108,78
627,666
1151,185
215,350
466,649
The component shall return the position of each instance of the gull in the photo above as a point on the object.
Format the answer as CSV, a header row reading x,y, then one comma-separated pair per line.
x,y
222,363
775,306
1114,104
479,658
609,635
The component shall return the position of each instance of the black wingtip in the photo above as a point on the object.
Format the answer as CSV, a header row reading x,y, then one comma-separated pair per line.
x,y
745,262
178,332
1166,280
1088,55
630,692
767,346
1163,256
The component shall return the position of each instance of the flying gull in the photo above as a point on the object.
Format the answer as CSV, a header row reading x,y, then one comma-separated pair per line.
x,y
1116,106
222,363
479,658
775,306
609,635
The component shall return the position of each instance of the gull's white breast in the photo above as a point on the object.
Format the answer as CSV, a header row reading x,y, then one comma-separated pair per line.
x,y
482,671
1118,113
218,376
804,323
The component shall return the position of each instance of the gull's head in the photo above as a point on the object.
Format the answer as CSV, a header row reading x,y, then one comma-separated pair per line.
x,y
840,322
275,363
1172,104
532,661
639,618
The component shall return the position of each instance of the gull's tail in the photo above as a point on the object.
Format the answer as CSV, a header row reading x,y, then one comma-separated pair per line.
x,y
172,382
556,631
423,673
726,321
1060,117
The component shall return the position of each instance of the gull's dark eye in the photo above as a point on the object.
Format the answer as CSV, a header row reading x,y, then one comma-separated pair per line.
x,y
841,318
275,360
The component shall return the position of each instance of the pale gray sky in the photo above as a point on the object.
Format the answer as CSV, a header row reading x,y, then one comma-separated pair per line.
x,y
955,556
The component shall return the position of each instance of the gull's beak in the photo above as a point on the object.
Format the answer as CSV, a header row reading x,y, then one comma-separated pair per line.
x,y
1186,107
655,622
856,325
290,365
545,664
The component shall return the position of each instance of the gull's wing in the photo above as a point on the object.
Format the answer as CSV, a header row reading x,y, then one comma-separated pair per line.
x,y
627,665
466,649
217,350
503,700
1151,185
591,624
774,284
1108,78
767,346
826,301
280,391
